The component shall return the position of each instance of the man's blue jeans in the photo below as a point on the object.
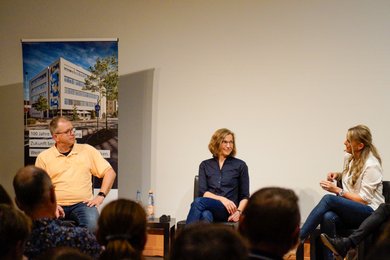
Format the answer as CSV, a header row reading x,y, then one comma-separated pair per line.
x,y
84,216
334,212
207,210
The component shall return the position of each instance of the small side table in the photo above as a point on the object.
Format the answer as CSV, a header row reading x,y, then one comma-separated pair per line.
x,y
166,229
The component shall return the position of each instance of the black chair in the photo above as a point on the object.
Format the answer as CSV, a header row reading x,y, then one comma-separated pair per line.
x,y
362,249
386,191
182,223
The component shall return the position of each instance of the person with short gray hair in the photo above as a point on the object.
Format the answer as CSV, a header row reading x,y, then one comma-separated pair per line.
x,y
36,197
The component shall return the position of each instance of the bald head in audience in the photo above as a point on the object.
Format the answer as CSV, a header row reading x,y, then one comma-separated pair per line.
x,y
36,197
35,193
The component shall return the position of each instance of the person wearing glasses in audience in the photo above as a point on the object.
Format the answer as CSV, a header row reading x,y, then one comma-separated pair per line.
x,y
223,183
70,166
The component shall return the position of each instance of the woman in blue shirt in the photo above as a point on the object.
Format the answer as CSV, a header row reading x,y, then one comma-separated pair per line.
x,y
223,182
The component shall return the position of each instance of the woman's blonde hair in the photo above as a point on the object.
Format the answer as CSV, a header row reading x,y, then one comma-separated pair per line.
x,y
360,134
216,141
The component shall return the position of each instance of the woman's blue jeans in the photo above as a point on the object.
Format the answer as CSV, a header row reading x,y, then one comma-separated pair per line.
x,y
207,210
334,212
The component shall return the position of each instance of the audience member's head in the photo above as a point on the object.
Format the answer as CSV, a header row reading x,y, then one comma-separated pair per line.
x,y
63,253
384,234
14,230
208,241
380,251
34,192
122,230
4,197
270,220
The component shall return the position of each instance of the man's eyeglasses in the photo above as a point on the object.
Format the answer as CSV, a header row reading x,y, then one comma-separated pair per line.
x,y
68,132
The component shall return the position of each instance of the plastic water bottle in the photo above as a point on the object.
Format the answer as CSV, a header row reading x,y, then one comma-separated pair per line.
x,y
150,209
138,197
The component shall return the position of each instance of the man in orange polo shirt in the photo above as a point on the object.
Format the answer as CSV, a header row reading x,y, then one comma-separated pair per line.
x,y
70,166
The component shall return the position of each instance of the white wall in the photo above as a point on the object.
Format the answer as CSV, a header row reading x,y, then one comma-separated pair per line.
x,y
135,133
289,77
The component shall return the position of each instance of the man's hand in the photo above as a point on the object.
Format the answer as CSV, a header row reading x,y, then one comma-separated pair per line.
x,y
95,202
229,205
60,213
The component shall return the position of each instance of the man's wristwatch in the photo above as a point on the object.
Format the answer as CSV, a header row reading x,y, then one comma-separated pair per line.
x,y
101,194
341,193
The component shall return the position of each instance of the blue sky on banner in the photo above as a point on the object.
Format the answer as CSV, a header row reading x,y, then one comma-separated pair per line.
x,y
39,55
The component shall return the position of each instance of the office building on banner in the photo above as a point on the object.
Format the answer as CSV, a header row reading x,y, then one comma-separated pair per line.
x,y
61,84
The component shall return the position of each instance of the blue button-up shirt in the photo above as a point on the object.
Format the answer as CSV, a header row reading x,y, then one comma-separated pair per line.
x,y
231,182
51,233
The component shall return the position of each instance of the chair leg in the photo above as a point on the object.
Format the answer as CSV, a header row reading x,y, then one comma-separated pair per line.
x,y
299,255
316,247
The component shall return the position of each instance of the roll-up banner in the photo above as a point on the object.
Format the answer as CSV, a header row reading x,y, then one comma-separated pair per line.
x,y
78,79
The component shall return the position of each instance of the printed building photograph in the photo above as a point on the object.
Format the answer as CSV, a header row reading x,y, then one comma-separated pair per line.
x,y
60,88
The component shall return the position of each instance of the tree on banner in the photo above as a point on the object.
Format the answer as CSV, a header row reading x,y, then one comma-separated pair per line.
x,y
41,105
104,79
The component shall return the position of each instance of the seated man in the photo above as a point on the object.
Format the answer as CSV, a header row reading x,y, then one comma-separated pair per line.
x,y
70,167
35,196
270,223
15,228
340,246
